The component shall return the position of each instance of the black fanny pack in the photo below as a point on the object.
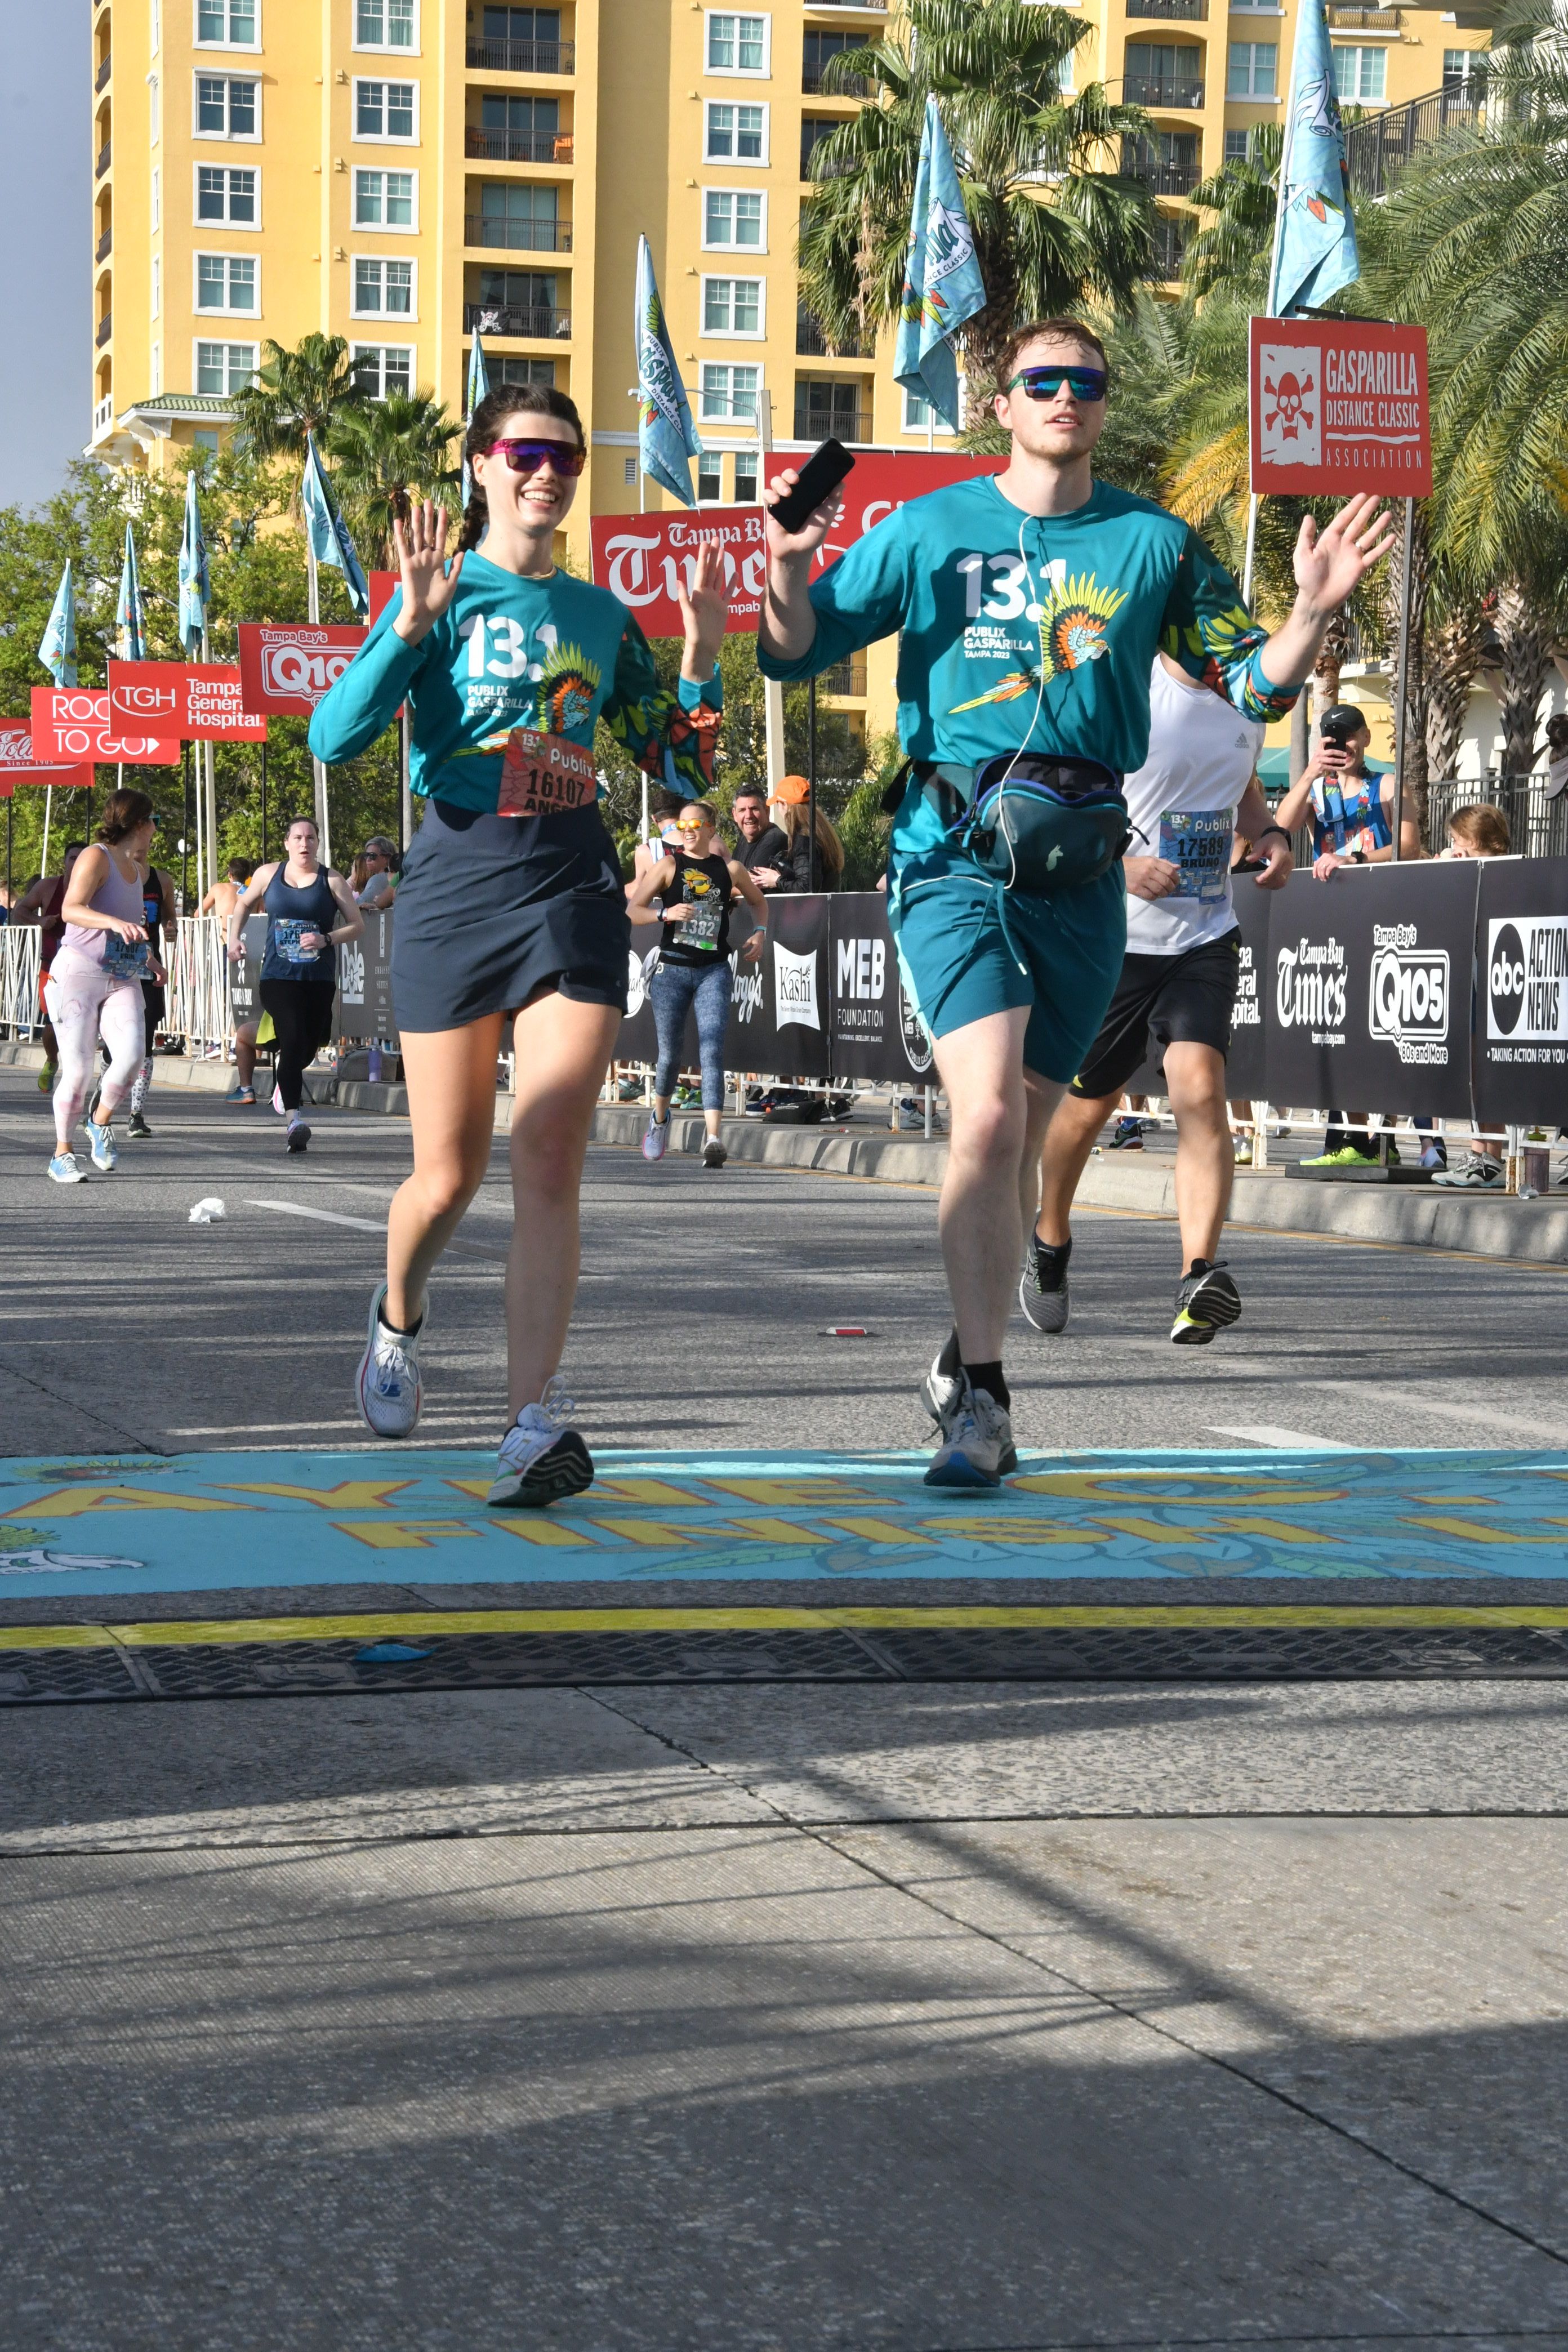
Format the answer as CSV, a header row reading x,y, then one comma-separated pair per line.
x,y
1037,822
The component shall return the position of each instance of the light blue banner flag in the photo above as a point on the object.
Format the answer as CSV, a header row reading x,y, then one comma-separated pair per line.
x,y
56,647
129,615
478,389
329,541
666,439
942,284
196,587
1314,239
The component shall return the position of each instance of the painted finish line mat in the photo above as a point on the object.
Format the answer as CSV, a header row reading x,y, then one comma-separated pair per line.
x,y
141,1524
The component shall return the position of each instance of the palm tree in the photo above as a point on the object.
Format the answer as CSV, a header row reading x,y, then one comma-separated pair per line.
x,y
1052,233
1242,196
385,453
296,393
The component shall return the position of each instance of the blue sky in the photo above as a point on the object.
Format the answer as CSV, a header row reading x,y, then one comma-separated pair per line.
x,y
46,280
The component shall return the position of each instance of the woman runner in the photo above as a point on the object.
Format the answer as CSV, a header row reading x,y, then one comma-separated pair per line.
x,y
512,899
94,988
698,886
309,913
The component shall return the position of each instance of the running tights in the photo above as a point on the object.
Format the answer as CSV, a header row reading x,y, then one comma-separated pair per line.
x,y
83,1005
302,1014
673,988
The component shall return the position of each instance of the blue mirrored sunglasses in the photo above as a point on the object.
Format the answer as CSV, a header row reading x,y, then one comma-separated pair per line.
x,y
1044,382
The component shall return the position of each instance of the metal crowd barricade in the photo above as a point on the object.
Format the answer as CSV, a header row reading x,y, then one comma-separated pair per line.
x,y
200,1008
21,946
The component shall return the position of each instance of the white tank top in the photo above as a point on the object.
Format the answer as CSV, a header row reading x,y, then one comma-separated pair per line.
x,y
1182,803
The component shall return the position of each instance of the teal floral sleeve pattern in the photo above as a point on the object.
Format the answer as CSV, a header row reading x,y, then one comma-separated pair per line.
x,y
1209,631
668,735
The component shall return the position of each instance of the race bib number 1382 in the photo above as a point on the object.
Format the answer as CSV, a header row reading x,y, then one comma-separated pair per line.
x,y
543,775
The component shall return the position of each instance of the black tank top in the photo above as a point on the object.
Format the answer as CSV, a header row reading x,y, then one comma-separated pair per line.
x,y
702,883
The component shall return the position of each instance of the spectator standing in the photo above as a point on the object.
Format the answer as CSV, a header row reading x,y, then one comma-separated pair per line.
x,y
1480,830
761,845
802,867
380,861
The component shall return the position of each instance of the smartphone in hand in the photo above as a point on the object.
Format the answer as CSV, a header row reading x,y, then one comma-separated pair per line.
x,y
819,477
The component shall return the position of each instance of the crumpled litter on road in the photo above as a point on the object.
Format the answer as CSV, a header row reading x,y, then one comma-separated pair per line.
x,y
207,1212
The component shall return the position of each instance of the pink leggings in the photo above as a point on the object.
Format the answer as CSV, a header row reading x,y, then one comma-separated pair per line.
x,y
83,1003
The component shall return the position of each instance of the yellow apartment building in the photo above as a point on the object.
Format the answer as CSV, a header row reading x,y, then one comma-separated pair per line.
x,y
398,171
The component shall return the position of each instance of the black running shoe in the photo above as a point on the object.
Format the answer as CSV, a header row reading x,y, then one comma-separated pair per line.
x,y
297,1137
137,1128
1207,1301
1043,1289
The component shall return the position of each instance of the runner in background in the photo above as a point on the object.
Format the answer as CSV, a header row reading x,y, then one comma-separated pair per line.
x,y
309,913
41,903
95,981
698,887
158,900
220,900
512,898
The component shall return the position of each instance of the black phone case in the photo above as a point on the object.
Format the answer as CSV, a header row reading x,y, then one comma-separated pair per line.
x,y
819,477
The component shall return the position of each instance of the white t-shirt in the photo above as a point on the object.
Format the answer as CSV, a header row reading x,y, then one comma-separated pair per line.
x,y
1183,802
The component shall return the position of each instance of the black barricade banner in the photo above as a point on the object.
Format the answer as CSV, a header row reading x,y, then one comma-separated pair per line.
x,y
364,981
245,977
1366,994
638,1039
875,1032
1520,1046
781,1009
1244,1068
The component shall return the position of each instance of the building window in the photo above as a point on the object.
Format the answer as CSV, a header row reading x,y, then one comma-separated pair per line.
x,y
156,209
1462,68
709,479
517,371
381,370
519,214
746,479
1236,146
820,49
520,303
228,196
385,25
228,107
228,24
1250,69
736,134
156,369
385,109
1360,75
386,200
153,128
731,391
155,285
732,306
224,368
823,407
920,416
737,44
226,281
733,219
384,288
155,27
629,471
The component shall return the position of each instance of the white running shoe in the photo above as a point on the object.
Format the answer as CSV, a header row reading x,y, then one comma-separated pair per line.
x,y
713,1153
105,1158
541,1460
387,1389
656,1142
940,1390
63,1168
297,1135
977,1439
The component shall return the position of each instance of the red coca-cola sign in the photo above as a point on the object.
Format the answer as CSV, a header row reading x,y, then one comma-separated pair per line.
x,y
75,723
285,669
17,765
202,702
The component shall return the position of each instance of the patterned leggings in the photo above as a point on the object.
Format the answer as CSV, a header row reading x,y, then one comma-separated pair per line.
x,y
673,988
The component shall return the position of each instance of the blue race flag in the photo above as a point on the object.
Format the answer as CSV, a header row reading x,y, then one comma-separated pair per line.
x,y
1314,239
667,437
129,615
195,587
327,533
56,647
478,389
942,284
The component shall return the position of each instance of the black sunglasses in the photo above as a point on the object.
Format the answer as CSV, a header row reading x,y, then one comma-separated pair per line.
x,y
1044,382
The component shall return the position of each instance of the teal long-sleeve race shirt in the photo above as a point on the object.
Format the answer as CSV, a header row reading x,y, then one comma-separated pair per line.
x,y
555,654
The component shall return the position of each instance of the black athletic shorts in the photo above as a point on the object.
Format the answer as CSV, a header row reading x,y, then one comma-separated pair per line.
x,y
1162,1000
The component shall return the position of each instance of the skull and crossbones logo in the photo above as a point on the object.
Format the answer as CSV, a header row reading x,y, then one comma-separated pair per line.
x,y
1290,395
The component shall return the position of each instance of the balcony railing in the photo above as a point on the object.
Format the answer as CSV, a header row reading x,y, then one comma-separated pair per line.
x,y
1154,89
104,246
1377,147
844,677
518,235
1186,12
103,415
105,328
102,74
1364,20
811,343
103,155
495,319
1162,179
1170,244
814,83
524,57
816,424
518,146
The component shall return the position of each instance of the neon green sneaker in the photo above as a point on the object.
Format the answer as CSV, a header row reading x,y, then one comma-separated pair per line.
x,y
1347,1156
47,1079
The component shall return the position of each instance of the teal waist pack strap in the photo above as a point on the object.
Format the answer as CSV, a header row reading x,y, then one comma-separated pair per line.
x,y
1032,822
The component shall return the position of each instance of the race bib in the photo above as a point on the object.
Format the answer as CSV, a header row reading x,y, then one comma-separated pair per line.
x,y
287,930
1197,842
125,958
704,919
543,774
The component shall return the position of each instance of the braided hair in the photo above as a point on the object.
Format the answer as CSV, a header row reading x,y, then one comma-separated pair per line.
x,y
484,429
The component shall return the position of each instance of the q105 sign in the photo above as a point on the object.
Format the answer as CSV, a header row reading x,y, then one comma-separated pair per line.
x,y
287,669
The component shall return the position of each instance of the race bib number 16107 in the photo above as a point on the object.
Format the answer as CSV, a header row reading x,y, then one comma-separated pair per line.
x,y
543,775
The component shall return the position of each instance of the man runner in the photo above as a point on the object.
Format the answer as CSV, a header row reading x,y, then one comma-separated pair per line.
x,y
1031,604
1195,790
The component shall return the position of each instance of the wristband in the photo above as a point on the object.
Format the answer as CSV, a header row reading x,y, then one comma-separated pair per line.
x,y
1273,828
1358,857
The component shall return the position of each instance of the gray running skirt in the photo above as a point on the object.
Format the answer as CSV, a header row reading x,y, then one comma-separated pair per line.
x,y
491,910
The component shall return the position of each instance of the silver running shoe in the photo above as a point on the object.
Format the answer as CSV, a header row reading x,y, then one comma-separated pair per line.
x,y
63,1170
100,1140
541,1460
940,1390
1043,1287
976,1447
388,1391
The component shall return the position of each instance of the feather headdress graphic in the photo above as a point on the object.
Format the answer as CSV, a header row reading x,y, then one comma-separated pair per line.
x,y
567,684
1072,635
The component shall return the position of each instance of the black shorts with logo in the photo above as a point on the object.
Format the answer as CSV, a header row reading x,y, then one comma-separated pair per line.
x,y
1162,1000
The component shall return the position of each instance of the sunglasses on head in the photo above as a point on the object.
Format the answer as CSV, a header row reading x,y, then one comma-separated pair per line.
x,y
528,456
1044,382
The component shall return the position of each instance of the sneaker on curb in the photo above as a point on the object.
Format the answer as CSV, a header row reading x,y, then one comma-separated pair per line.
x,y
47,1077
137,1128
541,1459
1206,1300
1346,1156
242,1094
1043,1291
1128,1135
63,1168
976,1442
388,1387
298,1136
1477,1172
713,1153
656,1142
105,1158
1436,1155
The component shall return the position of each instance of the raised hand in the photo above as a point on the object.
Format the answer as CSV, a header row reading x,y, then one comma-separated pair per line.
x,y
705,609
806,540
1331,564
427,585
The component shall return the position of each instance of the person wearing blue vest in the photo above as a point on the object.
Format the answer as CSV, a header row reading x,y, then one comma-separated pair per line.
x,y
1031,604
